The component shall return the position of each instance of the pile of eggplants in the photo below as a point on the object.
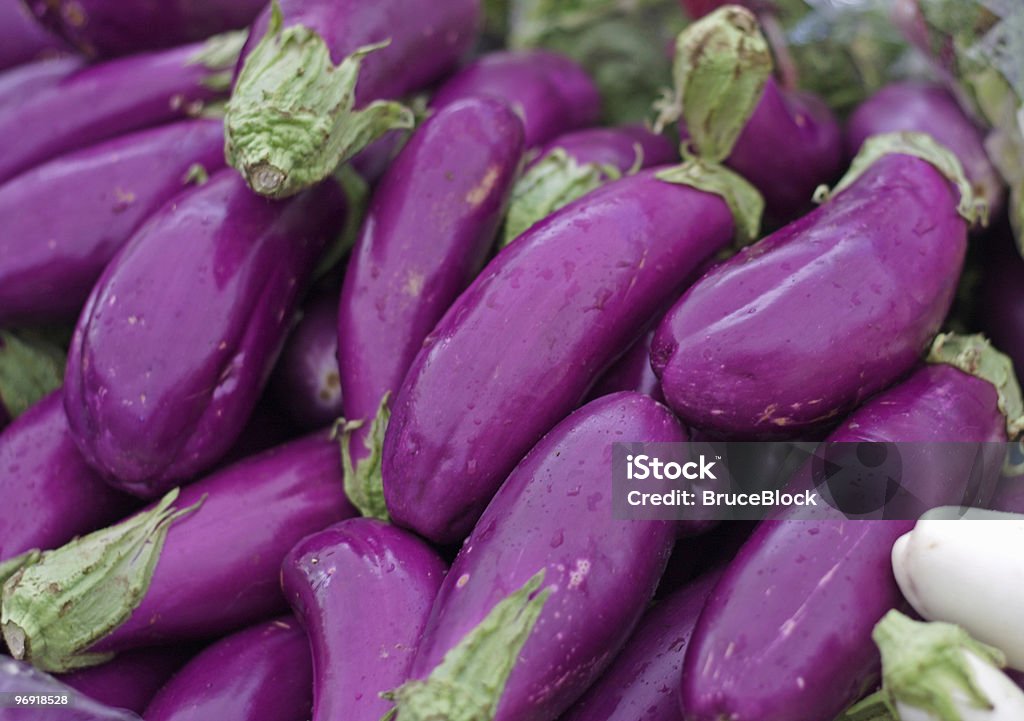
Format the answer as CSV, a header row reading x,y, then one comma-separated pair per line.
x,y
320,321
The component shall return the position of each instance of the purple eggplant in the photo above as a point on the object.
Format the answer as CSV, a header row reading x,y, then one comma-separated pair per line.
x,y
428,231
522,345
306,384
130,680
796,330
548,586
550,92
575,163
207,568
642,684
317,77
929,109
50,495
791,145
363,590
64,220
107,28
22,39
103,101
20,83
631,372
204,295
20,679
786,634
262,673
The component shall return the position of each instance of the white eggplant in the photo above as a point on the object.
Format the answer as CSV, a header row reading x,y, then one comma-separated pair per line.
x,y
968,572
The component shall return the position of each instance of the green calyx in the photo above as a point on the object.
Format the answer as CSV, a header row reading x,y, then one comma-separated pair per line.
x,y
918,145
721,65
924,666
743,199
61,602
292,117
31,366
364,484
551,183
975,355
11,566
468,684
219,55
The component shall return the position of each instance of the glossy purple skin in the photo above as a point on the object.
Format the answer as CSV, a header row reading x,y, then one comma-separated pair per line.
x,y
64,220
928,109
523,344
549,91
21,678
616,147
791,144
22,39
631,372
786,634
107,28
219,568
428,39
100,102
555,513
203,294
21,82
428,231
263,673
50,495
1001,307
306,382
363,590
642,684
796,330
130,680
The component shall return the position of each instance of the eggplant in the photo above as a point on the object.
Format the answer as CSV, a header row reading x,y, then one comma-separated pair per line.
x,y
50,494
363,590
207,566
102,101
21,82
19,679
550,92
130,680
522,345
931,109
108,28
204,294
795,331
575,163
429,228
791,145
22,39
317,77
966,573
65,219
306,384
548,586
786,633
642,684
262,673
